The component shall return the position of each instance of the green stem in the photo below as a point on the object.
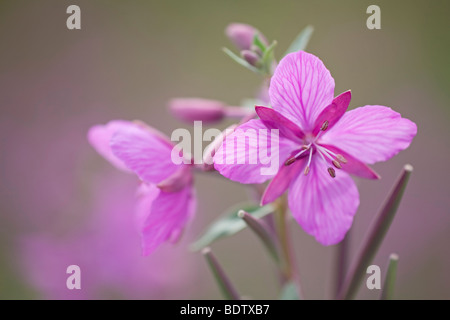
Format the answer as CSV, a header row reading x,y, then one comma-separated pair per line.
x,y
287,262
341,264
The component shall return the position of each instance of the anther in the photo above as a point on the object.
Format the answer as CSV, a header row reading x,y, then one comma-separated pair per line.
x,y
306,170
341,158
332,172
337,164
305,147
290,161
324,125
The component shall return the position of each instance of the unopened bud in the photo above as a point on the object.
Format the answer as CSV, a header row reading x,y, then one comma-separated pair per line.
x,y
242,35
251,57
197,109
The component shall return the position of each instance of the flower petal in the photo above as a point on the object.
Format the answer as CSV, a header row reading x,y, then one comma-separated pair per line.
x,y
274,119
334,111
282,180
253,153
99,137
322,205
163,215
144,152
301,88
371,133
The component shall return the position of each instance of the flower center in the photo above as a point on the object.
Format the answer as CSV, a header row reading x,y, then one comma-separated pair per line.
x,y
311,147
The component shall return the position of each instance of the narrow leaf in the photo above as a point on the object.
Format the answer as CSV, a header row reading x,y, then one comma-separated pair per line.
x,y
301,41
257,42
260,229
224,283
378,229
240,61
389,282
229,224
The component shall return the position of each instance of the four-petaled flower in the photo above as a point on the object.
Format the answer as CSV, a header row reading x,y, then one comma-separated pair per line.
x,y
166,197
316,137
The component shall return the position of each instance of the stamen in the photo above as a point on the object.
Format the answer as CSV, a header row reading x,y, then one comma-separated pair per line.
x,y
290,161
319,151
306,170
332,172
325,152
297,156
324,125
336,164
341,158
309,162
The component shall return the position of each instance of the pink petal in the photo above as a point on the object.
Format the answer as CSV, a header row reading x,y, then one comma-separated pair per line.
x,y
282,180
145,153
177,181
99,137
301,88
252,154
322,205
274,119
334,111
371,133
354,166
163,215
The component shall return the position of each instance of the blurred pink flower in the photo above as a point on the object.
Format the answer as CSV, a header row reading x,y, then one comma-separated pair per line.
x,y
166,197
242,35
197,109
316,135
106,249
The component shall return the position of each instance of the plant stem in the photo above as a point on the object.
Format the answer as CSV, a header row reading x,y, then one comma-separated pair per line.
x,y
287,264
341,264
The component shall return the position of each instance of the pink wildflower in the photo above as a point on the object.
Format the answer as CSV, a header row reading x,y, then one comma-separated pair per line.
x,y
319,145
166,195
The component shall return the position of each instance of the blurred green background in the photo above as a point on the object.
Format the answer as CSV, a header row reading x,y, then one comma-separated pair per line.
x,y
131,57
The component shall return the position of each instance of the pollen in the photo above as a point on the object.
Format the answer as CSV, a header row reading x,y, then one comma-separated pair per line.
x,y
337,164
332,172
324,125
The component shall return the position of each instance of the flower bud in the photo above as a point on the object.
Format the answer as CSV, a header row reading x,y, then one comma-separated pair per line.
x,y
197,109
242,35
251,57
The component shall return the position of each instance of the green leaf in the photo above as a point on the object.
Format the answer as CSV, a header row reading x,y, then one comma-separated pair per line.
x,y
289,292
301,41
268,57
257,42
229,223
240,61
